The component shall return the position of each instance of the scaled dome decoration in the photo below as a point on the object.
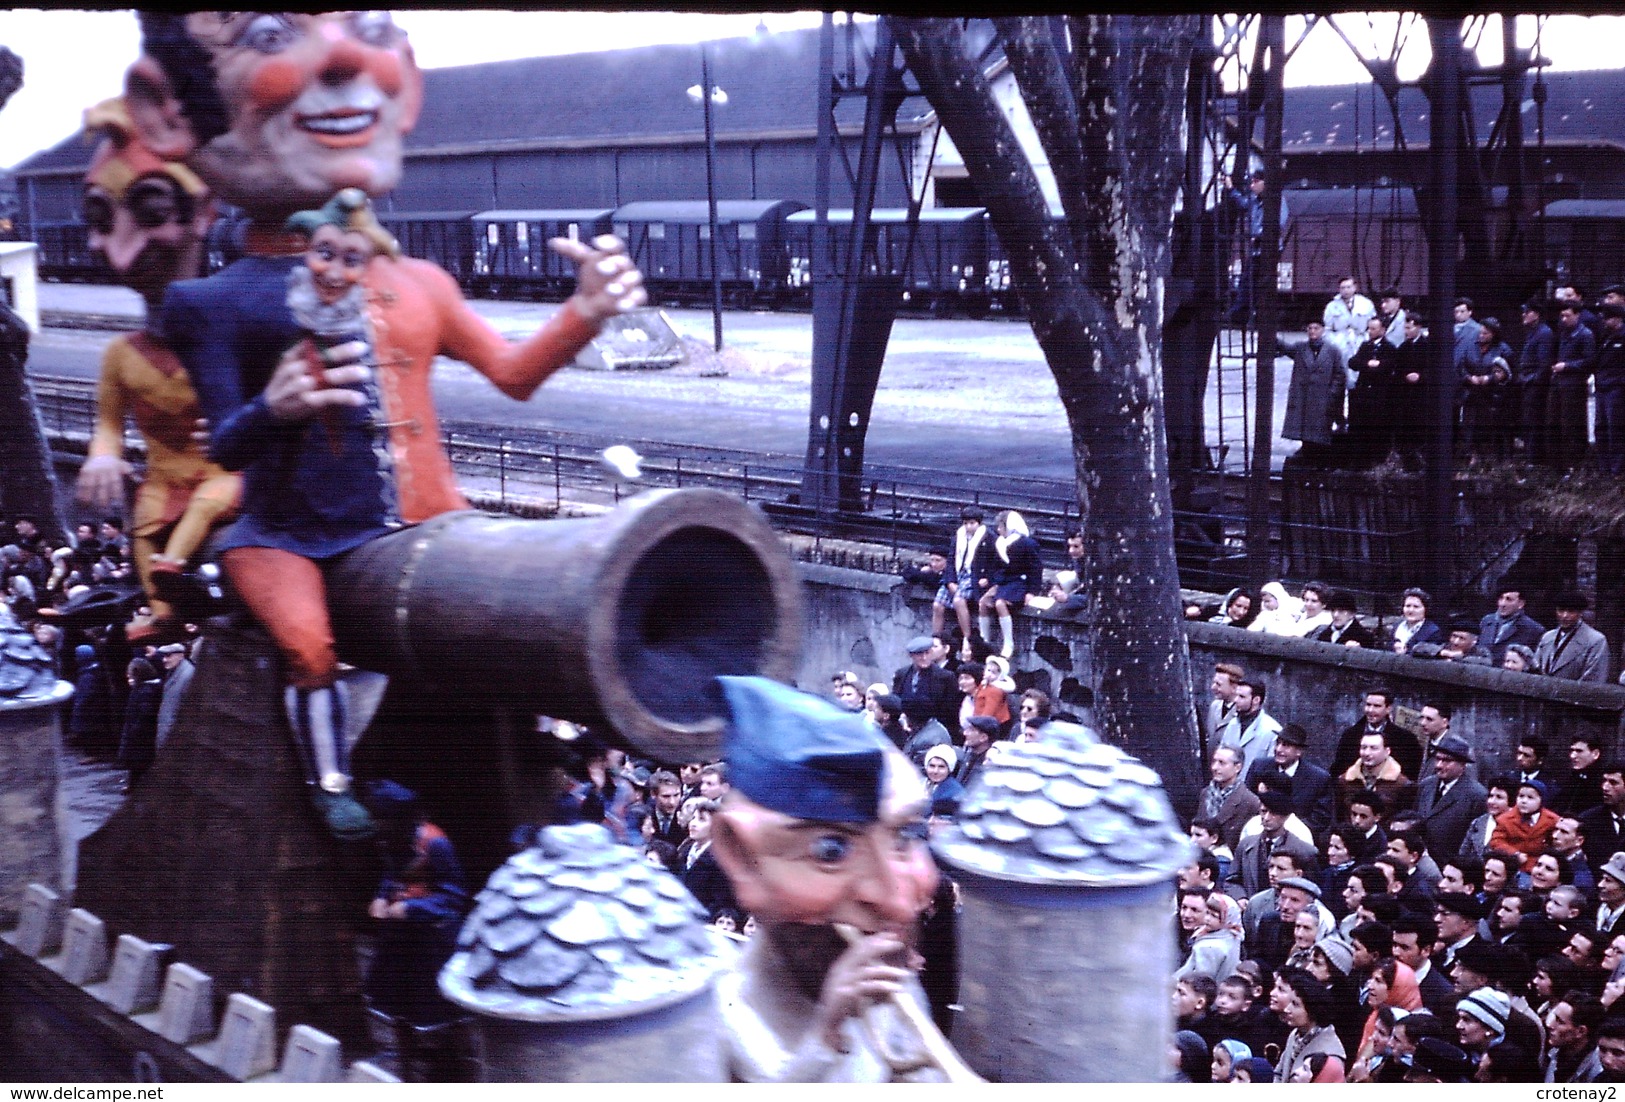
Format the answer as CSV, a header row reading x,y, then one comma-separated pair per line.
x,y
26,668
1067,810
578,927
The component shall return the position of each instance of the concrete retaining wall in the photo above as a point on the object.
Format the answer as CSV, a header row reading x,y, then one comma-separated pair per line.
x,y
1321,687
861,621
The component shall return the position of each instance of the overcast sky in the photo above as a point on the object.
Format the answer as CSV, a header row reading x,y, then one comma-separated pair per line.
x,y
74,59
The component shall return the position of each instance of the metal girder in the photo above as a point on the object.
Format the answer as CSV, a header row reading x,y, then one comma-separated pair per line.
x,y
855,301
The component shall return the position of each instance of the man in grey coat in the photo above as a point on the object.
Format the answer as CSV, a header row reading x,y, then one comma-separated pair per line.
x,y
1573,650
1226,799
178,671
1449,801
1314,401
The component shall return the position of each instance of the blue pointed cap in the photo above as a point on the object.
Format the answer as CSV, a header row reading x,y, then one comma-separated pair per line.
x,y
800,754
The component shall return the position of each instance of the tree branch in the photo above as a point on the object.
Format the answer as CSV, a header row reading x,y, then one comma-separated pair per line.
x,y
1042,262
1047,93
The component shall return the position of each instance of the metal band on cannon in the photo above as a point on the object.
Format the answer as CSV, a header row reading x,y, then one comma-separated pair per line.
x,y
621,620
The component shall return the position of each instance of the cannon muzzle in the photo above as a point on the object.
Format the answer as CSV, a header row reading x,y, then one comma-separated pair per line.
x,y
619,621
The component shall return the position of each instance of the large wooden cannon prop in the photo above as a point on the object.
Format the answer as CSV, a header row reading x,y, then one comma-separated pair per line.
x,y
619,621
481,623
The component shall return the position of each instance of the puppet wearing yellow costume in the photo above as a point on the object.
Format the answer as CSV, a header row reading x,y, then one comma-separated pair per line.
x,y
148,217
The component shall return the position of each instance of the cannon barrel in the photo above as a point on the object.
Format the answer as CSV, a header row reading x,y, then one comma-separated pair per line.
x,y
620,621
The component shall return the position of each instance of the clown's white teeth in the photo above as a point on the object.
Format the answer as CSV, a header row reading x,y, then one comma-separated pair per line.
x,y
339,124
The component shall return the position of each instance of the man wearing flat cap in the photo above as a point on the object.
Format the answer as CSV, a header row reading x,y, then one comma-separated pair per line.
x,y
923,683
1272,943
1610,915
978,733
1461,646
1449,801
822,837
1573,650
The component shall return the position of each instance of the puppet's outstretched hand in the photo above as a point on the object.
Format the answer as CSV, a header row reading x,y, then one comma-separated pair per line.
x,y
607,282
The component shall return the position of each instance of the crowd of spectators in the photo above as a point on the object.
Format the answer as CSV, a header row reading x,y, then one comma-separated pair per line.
x,y
1357,395
662,808
1506,637
1392,917
1397,917
127,691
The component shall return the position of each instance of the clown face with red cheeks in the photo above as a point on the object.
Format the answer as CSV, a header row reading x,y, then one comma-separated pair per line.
x,y
312,103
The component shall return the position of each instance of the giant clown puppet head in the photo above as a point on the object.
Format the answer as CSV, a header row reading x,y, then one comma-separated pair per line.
x,y
277,111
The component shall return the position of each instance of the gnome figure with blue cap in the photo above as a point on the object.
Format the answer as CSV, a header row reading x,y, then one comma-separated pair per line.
x,y
822,836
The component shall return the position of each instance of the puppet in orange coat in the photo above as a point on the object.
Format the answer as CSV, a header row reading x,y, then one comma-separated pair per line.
x,y
278,112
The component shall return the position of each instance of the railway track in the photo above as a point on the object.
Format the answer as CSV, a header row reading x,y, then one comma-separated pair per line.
x,y
521,469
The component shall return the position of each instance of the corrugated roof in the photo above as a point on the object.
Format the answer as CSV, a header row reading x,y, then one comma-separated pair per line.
x,y
1581,107
770,82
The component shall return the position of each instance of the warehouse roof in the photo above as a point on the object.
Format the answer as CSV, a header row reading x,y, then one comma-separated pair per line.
x,y
611,95
770,82
1582,107
640,95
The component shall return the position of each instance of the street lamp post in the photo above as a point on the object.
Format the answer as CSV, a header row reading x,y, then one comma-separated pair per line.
x,y
708,95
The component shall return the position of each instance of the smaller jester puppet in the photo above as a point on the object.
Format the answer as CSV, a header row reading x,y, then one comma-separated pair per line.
x,y
326,295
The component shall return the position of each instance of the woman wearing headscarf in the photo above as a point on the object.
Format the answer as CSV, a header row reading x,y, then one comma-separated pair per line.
x,y
941,788
1519,659
138,744
1388,983
1237,609
1279,612
1216,948
1017,574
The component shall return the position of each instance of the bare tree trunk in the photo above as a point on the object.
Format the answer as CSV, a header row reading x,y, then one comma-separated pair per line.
x,y
1109,113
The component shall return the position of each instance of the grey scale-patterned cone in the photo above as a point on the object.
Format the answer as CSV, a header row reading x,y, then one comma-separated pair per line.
x,y
1065,851
1068,810
579,928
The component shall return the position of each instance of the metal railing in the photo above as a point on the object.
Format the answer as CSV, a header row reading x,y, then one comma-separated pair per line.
x,y
520,468
908,510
